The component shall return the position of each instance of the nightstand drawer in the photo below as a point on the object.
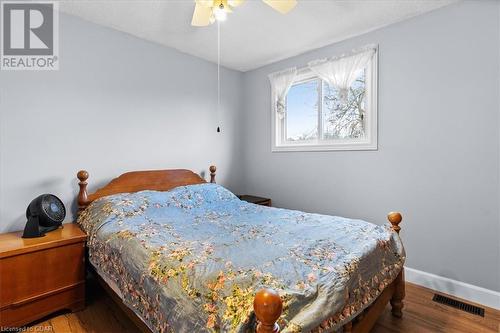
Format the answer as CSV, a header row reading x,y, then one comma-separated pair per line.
x,y
24,312
41,275
37,273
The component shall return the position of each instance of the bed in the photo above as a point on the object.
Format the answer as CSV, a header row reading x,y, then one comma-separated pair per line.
x,y
180,254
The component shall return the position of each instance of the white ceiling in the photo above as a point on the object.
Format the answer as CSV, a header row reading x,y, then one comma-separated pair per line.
x,y
254,34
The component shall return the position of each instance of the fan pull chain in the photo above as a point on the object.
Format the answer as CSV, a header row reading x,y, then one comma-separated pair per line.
x,y
218,77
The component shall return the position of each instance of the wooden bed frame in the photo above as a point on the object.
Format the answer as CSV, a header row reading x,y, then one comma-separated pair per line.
x,y
267,303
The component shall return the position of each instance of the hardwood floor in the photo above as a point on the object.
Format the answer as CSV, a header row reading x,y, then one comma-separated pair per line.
x,y
421,315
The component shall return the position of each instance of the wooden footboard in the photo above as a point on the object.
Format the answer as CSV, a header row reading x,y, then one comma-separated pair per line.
x,y
268,305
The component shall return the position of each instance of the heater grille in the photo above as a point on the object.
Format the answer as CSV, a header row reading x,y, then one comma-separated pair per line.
x,y
459,305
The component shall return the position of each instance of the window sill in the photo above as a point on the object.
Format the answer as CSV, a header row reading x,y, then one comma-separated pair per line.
x,y
325,147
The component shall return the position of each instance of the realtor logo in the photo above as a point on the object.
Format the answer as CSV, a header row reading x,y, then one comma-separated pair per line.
x,y
29,35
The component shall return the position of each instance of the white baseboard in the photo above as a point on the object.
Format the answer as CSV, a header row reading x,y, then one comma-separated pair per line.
x,y
455,288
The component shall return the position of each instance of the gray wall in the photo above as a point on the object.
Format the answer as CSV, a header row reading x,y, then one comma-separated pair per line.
x,y
117,104
438,157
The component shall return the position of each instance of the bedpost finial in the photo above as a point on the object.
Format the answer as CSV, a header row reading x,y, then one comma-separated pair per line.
x,y
82,175
212,173
395,218
83,199
267,306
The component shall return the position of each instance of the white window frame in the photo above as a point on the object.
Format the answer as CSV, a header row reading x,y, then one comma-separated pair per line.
x,y
278,126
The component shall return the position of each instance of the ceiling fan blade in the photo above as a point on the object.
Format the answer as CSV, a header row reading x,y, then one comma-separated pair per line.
x,y
205,3
282,6
201,16
235,3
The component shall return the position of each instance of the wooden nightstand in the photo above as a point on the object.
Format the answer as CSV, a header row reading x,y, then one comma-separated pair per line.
x,y
41,275
256,200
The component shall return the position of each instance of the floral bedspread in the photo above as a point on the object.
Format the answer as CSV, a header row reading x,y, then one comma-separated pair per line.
x,y
191,259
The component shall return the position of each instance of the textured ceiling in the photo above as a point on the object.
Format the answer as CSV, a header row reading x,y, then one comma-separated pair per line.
x,y
253,35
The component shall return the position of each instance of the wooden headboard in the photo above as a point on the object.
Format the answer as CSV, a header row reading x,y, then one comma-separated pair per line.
x,y
135,181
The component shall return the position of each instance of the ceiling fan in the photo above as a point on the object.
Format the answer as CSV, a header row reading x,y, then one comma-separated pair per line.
x,y
207,11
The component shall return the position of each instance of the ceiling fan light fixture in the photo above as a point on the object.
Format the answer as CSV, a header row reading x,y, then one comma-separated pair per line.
x,y
207,12
219,13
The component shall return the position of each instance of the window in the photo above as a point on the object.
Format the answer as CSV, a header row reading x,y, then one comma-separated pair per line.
x,y
301,112
318,114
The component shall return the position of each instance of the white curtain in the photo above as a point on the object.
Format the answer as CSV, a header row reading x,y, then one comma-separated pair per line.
x,y
341,72
280,84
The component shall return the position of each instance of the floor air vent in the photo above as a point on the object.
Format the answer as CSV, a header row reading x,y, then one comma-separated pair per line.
x,y
458,305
